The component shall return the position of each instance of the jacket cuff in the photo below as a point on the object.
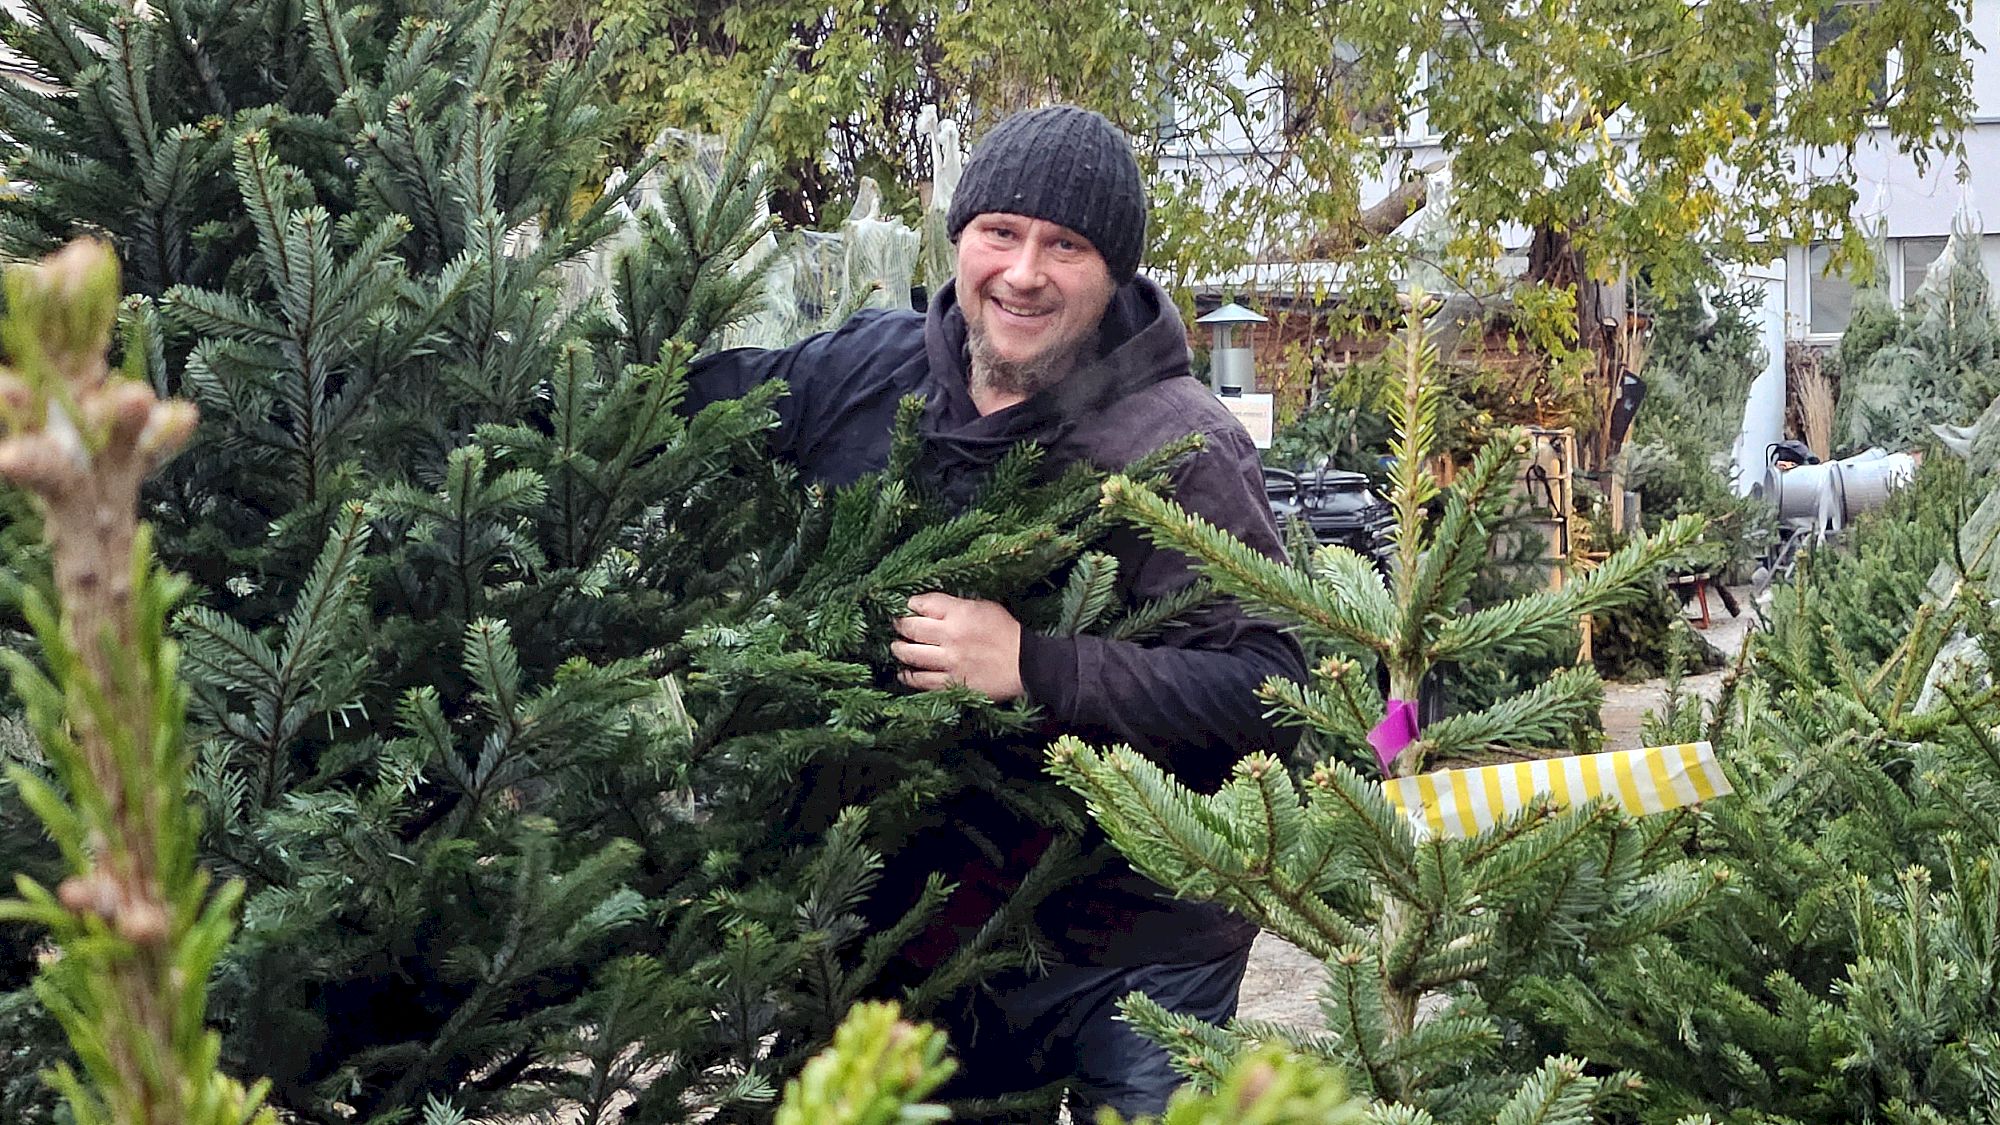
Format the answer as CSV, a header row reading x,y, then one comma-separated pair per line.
x,y
1049,673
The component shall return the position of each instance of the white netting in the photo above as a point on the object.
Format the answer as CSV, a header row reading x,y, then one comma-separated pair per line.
x,y
1941,367
820,278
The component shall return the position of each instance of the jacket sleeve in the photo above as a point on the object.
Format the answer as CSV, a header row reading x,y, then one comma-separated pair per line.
x,y
829,377
1187,698
734,373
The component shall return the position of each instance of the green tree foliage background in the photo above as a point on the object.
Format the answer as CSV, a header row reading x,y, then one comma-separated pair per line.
x,y
1654,132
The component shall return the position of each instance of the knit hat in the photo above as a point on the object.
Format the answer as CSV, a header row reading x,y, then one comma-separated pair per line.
x,y
1067,165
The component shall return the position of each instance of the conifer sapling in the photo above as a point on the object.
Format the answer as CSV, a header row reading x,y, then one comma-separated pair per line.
x,y
137,928
1417,621
1426,940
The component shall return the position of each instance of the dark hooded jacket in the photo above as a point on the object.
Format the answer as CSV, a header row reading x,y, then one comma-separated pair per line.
x,y
1185,699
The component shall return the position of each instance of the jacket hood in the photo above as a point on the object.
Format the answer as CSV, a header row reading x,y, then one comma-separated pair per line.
x,y
1140,341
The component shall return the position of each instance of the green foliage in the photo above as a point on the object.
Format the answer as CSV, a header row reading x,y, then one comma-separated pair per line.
x,y
1268,1086
1417,622
135,927
546,727
421,513
547,723
1642,640
1873,324
1845,979
34,1047
373,728
1698,374
1842,983
815,771
1430,943
852,108
1346,427
876,1067
1852,606
1530,108
33,1039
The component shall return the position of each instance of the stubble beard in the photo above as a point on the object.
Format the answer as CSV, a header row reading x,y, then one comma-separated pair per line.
x,y
1027,377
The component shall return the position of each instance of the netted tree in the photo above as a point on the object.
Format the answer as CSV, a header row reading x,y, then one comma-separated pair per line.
x,y
1934,362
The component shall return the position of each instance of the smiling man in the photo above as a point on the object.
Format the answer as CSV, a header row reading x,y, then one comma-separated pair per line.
x,y
1032,293
1049,335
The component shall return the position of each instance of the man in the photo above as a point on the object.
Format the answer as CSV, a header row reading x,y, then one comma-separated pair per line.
x,y
1048,335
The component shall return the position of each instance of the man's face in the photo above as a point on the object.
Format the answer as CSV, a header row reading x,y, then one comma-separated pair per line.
x,y
1032,293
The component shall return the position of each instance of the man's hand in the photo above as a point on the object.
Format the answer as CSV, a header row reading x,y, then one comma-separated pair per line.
x,y
960,641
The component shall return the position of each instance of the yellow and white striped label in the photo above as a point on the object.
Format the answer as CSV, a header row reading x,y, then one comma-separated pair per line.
x,y
1462,803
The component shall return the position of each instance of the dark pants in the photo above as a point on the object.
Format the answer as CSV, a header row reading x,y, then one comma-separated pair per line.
x,y
1021,1033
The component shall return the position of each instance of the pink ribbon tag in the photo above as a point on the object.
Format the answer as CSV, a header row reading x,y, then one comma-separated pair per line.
x,y
1394,733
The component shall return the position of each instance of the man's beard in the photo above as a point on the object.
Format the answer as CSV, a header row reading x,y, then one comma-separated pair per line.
x,y
1027,377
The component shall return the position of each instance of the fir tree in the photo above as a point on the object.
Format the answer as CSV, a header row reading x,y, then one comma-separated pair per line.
x,y
1848,979
548,727
1953,322
815,767
1428,942
1415,623
134,141
137,929
1698,373
1853,606
1935,362
416,515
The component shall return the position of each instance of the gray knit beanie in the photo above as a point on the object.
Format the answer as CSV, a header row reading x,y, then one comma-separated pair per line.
x,y
1066,165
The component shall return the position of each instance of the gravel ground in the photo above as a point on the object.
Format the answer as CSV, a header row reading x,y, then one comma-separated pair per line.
x,y
1282,984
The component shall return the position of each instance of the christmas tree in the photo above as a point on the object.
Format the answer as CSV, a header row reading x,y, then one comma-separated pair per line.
x,y
1847,978
414,630
1934,362
1413,622
547,723
137,930
1433,945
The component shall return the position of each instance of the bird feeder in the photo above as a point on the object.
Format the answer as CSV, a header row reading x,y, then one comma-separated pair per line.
x,y
1232,371
1231,364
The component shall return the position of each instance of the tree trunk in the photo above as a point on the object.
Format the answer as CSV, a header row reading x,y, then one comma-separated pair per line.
x,y
1448,324
1600,328
1374,222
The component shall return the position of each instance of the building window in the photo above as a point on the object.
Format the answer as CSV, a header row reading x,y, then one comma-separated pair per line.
x,y
1917,255
1828,29
1460,46
1830,293
1342,87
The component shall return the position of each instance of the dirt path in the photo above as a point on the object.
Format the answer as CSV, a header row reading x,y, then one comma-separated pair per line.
x,y
1627,705
1283,982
